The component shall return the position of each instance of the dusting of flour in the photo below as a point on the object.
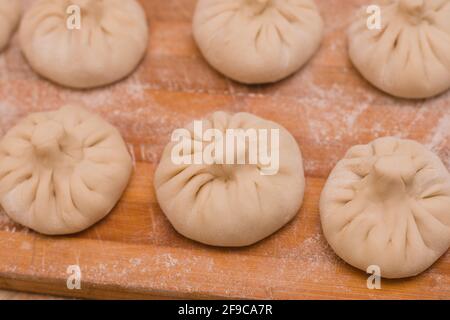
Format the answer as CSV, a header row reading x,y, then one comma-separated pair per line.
x,y
327,106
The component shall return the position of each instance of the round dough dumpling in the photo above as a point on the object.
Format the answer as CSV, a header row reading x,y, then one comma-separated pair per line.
x,y
84,43
230,180
62,171
387,204
409,56
257,41
10,11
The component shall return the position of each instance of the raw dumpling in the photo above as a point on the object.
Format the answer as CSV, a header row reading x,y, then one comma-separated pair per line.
x,y
257,41
109,45
388,204
232,204
9,18
62,171
409,56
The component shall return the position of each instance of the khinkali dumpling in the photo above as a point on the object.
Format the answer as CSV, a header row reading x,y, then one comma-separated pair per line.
x,y
257,41
224,203
109,45
410,55
9,18
388,204
62,171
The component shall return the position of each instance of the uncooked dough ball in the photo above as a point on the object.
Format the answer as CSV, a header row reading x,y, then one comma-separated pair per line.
x,y
257,41
388,204
409,56
62,171
109,45
9,18
224,203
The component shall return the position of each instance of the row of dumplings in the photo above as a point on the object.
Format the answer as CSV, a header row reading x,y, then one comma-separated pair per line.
x,y
386,203
250,41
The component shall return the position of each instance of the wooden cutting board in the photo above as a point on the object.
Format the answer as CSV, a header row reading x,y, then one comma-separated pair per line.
x,y
135,253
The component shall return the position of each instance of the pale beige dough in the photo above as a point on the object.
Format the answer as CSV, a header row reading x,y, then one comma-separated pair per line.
x,y
388,204
257,41
110,44
10,11
62,171
409,56
229,204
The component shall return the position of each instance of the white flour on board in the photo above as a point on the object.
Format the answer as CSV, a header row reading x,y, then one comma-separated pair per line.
x,y
333,114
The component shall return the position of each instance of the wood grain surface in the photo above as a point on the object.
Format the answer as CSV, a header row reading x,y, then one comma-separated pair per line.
x,y
135,253
15,295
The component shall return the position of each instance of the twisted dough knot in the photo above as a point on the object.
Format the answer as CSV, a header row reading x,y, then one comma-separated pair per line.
x,y
414,9
261,2
51,142
392,176
413,6
46,137
90,8
258,6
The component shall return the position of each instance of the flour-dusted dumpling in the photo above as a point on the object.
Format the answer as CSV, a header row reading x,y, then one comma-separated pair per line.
x,y
9,18
388,204
229,202
108,46
257,41
409,56
62,171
